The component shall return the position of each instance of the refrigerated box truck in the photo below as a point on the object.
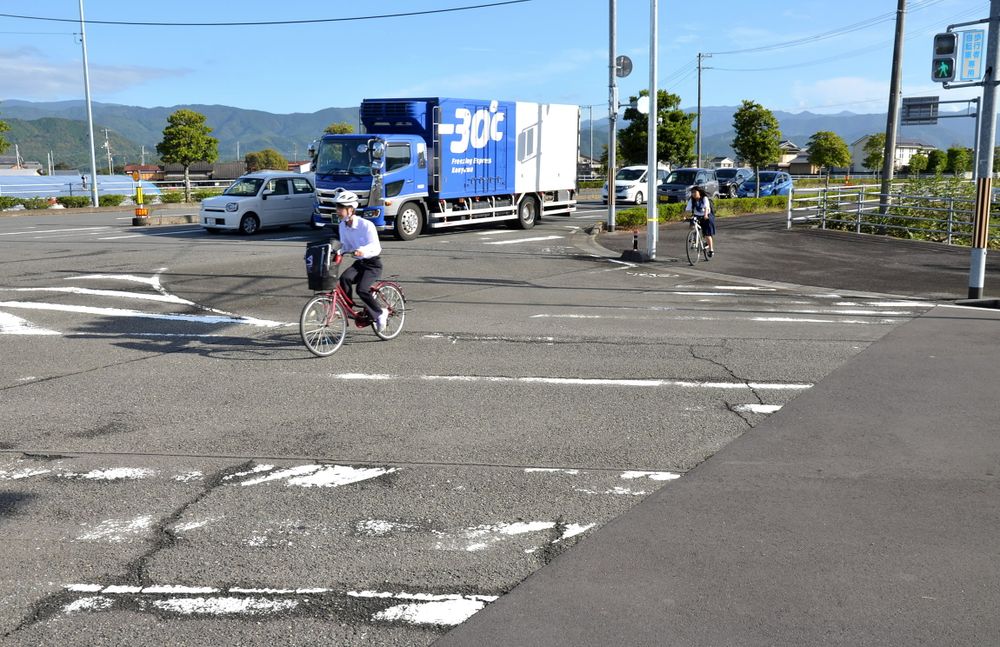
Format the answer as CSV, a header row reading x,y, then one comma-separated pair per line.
x,y
434,162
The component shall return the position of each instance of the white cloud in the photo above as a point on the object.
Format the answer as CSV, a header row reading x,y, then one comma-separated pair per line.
x,y
841,93
26,73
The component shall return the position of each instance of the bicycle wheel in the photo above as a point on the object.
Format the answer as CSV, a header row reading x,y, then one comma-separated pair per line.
x,y
390,297
694,245
323,325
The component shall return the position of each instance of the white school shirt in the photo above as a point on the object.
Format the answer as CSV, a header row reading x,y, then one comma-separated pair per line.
x,y
705,209
362,236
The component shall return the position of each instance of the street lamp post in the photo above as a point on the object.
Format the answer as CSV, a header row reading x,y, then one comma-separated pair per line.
x,y
90,113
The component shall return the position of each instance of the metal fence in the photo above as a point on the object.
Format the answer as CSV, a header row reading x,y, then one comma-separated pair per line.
x,y
863,209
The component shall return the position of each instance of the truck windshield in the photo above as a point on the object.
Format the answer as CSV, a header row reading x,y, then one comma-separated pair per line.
x,y
245,186
343,157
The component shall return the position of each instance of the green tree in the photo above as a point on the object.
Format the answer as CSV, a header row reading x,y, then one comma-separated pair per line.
x,y
874,151
937,161
4,144
918,164
266,159
674,137
339,128
758,136
187,140
827,149
959,160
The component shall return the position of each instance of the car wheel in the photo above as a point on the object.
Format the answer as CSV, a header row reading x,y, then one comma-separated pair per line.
x,y
732,191
638,197
409,222
249,225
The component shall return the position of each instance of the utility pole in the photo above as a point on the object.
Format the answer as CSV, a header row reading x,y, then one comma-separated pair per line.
x,y
700,68
652,201
612,111
90,113
142,156
892,119
984,168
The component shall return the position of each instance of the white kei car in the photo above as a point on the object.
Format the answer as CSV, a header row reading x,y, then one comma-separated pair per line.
x,y
260,199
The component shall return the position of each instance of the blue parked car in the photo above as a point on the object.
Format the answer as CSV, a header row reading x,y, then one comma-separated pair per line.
x,y
771,183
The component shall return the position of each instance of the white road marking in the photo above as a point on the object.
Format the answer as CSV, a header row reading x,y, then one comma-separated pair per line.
x,y
118,312
523,240
573,381
48,231
118,531
758,408
13,325
322,475
652,476
162,298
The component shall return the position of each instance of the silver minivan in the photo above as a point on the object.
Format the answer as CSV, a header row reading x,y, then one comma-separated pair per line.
x,y
260,199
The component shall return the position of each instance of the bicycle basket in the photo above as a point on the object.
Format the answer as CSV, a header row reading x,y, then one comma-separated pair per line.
x,y
320,269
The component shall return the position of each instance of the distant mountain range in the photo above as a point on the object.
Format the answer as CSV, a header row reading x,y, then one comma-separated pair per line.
x,y
60,127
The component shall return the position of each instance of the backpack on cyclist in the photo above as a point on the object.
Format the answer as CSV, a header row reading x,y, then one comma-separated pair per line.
x,y
320,271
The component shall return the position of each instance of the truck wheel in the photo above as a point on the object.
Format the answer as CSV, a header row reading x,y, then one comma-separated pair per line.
x,y
409,222
527,213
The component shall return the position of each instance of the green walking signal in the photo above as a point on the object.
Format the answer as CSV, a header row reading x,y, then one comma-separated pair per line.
x,y
945,53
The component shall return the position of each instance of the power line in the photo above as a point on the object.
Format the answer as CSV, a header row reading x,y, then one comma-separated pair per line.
x,y
840,31
266,22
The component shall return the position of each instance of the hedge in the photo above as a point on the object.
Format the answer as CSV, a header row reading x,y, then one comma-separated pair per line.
x,y
110,200
74,201
172,197
635,218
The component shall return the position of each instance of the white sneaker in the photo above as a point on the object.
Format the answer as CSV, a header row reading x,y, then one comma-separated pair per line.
x,y
383,317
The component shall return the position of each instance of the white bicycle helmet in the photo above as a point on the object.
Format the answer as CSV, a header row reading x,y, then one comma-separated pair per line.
x,y
345,198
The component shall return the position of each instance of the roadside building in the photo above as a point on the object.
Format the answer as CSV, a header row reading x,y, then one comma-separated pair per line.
x,y
905,150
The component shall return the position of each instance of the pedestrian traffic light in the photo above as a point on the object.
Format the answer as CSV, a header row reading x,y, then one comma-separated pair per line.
x,y
945,53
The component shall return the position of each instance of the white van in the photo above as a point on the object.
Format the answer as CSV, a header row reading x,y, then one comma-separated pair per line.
x,y
630,183
261,199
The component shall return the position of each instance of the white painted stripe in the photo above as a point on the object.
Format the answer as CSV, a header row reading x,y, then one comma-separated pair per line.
x,y
322,475
162,298
95,603
706,318
758,408
529,470
877,322
523,240
224,606
47,231
13,325
652,476
574,381
447,613
121,237
178,589
117,312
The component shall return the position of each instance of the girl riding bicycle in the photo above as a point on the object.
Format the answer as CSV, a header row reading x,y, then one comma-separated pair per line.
x,y
700,206
360,238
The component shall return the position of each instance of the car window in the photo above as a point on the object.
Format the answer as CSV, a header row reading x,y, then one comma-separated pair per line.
x,y
661,175
682,177
397,156
726,173
244,187
278,186
301,185
629,174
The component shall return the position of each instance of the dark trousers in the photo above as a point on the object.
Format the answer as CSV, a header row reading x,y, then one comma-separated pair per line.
x,y
363,273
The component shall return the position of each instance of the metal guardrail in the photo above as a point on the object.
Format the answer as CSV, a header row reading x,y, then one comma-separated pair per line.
x,y
946,219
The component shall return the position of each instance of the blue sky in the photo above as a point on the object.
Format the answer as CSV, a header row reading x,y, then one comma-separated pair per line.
x,y
537,50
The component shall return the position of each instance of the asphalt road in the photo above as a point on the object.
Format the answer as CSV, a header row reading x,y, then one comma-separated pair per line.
x,y
172,460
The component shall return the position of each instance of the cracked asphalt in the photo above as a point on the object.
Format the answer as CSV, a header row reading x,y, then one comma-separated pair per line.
x,y
213,483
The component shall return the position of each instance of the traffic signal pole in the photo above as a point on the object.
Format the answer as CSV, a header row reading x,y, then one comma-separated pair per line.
x,y
892,119
984,168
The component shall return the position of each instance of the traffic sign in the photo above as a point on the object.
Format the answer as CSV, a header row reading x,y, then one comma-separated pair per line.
x,y
970,63
945,53
623,66
919,111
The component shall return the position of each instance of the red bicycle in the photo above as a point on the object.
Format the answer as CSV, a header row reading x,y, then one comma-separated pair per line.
x,y
323,323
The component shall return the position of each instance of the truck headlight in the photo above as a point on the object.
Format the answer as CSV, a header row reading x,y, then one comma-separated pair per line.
x,y
232,206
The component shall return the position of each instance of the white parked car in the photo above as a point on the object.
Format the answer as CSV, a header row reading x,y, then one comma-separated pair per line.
x,y
260,199
630,184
